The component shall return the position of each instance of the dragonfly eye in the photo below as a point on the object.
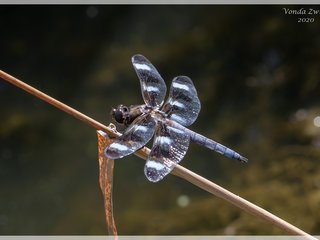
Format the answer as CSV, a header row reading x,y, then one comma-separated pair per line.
x,y
124,108
117,115
120,114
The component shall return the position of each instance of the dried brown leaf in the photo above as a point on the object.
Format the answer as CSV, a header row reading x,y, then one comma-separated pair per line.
x,y
106,167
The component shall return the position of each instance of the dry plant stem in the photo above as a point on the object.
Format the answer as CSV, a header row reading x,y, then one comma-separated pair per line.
x,y
56,103
247,206
178,171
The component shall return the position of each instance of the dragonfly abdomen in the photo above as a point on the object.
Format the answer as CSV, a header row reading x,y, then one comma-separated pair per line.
x,y
213,145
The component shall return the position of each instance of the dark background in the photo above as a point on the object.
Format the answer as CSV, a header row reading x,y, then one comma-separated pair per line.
x,y
257,73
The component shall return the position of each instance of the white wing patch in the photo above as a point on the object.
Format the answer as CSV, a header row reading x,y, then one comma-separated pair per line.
x,y
152,89
177,104
142,129
155,165
180,86
177,118
118,146
142,66
163,140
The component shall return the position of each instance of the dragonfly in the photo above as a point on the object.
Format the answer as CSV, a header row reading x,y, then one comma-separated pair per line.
x,y
167,122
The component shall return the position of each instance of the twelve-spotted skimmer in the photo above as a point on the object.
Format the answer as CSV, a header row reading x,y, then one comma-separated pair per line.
x,y
172,138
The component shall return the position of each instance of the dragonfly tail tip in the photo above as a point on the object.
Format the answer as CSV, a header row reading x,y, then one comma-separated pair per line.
x,y
243,159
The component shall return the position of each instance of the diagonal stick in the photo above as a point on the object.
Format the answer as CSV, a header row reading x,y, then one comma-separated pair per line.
x,y
179,171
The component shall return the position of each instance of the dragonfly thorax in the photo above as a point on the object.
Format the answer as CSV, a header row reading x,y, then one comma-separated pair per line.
x,y
126,115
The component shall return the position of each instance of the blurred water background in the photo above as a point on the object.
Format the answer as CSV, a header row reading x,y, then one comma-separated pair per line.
x,y
257,73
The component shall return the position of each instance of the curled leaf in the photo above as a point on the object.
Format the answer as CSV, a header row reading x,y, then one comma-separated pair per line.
x,y
106,167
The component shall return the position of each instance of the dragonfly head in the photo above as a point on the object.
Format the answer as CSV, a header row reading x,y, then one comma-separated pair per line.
x,y
120,114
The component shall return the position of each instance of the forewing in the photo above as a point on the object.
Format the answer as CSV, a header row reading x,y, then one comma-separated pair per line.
x,y
183,104
153,87
136,136
169,147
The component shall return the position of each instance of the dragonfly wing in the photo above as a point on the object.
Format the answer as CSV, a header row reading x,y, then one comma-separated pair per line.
x,y
153,87
136,136
169,147
183,104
